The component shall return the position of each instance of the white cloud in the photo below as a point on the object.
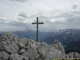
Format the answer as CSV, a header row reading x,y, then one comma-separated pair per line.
x,y
19,0
75,6
24,15
54,13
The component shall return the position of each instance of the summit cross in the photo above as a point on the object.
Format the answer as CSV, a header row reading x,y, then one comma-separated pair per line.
x,y
37,23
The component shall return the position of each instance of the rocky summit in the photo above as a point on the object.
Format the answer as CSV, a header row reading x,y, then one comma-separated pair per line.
x,y
14,48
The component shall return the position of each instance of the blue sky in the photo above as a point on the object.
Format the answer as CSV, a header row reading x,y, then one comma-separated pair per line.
x,y
56,14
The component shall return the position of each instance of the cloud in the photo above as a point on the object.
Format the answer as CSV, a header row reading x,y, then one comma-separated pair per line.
x,y
14,25
21,18
24,15
68,16
62,20
2,20
19,0
18,23
75,6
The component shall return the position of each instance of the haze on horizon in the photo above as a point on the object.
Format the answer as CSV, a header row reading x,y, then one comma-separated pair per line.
x,y
56,14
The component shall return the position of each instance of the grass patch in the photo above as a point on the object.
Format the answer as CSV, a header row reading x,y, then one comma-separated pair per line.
x,y
64,46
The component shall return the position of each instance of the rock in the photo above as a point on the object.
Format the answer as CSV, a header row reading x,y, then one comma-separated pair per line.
x,y
22,42
9,38
76,55
12,48
15,56
43,49
73,55
25,58
22,51
29,42
1,46
1,54
58,46
4,55
0,59
54,53
33,46
31,54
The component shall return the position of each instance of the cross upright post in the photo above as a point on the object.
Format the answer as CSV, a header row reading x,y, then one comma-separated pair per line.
x,y
37,28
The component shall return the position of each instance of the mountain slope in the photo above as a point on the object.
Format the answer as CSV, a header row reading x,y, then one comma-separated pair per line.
x,y
64,37
74,45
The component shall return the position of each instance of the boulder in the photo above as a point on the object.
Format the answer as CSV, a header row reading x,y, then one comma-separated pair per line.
x,y
73,55
31,54
1,46
21,51
42,49
15,56
12,48
8,38
4,55
58,46
22,42
1,54
54,53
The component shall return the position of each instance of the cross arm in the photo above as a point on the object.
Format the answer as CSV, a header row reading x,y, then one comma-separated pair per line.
x,y
40,23
34,23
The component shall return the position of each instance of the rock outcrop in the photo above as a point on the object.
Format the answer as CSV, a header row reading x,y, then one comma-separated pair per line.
x,y
73,55
14,48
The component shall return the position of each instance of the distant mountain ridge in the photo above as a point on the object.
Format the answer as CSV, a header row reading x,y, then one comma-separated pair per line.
x,y
49,36
64,36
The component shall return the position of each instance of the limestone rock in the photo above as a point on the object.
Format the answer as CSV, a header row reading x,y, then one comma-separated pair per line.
x,y
58,46
15,57
8,38
12,48
1,54
73,55
24,58
1,46
22,51
4,55
43,49
31,54
22,42
54,53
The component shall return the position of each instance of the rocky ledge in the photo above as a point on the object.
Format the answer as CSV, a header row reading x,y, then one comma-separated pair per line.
x,y
14,48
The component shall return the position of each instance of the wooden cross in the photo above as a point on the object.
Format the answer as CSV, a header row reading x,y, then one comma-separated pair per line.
x,y
37,28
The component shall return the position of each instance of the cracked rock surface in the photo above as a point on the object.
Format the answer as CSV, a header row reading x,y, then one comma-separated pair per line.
x,y
14,48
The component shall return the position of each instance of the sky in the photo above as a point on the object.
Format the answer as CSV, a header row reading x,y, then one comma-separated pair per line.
x,y
56,14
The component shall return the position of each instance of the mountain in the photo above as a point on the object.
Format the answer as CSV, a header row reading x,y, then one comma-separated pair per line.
x,y
65,36
31,34
74,45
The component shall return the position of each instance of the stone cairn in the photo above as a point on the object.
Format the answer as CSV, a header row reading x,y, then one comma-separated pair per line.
x,y
14,48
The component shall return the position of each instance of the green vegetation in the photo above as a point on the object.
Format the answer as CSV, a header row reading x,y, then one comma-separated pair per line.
x,y
64,46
